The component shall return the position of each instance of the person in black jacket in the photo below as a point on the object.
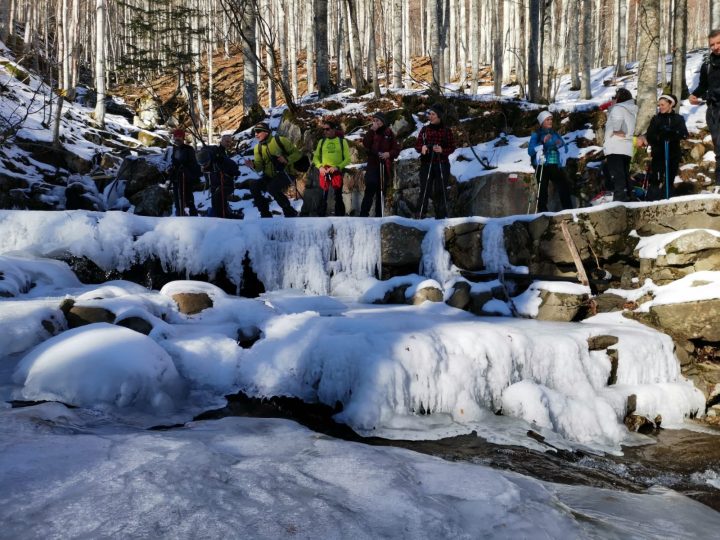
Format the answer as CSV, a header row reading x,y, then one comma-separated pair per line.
x,y
183,171
382,148
666,130
708,89
222,171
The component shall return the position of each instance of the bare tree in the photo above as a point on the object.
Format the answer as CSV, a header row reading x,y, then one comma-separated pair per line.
x,y
649,28
100,61
533,77
249,46
397,43
587,47
679,51
322,69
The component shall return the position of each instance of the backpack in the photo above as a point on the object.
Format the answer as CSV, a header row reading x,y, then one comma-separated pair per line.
x,y
302,165
342,146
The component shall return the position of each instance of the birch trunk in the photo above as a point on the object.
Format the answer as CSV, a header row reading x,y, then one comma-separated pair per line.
x,y
357,71
714,14
621,37
397,43
249,23
434,43
310,46
474,44
321,47
533,47
372,52
497,36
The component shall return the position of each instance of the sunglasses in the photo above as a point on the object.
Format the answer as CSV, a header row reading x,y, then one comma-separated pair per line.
x,y
328,128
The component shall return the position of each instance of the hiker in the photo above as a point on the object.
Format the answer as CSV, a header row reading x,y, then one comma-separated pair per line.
x,y
709,89
274,158
435,143
618,145
221,171
331,156
666,130
383,148
544,149
183,171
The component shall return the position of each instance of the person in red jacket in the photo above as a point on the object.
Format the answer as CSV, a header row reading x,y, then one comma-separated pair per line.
x,y
383,148
435,143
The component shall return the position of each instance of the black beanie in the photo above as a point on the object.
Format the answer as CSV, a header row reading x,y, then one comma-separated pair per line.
x,y
381,116
438,109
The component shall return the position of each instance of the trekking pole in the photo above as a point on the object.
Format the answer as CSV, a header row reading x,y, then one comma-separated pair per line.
x,y
382,189
537,197
667,169
442,185
427,183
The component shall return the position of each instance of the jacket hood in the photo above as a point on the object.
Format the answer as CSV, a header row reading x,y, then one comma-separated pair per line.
x,y
631,107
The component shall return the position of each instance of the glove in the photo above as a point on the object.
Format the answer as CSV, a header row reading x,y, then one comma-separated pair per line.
x,y
539,155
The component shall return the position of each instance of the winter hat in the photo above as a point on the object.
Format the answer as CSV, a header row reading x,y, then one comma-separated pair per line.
x,y
437,109
543,116
261,127
381,116
178,134
622,95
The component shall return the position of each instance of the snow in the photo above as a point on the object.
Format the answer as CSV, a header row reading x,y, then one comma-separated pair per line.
x,y
100,364
651,247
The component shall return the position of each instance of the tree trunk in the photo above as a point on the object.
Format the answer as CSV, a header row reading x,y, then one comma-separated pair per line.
x,y
372,52
621,37
249,44
434,38
310,47
474,44
100,61
397,43
649,28
587,48
358,79
679,84
533,49
497,37
714,14
321,47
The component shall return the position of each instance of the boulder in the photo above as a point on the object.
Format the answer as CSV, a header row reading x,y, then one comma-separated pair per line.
x,y
642,424
82,315
464,244
247,337
401,249
139,173
608,302
496,194
689,320
138,324
426,294
460,295
153,201
396,295
190,303
518,244
148,138
599,343
556,306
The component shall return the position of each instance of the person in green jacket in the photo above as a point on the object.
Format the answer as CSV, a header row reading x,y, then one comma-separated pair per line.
x,y
332,155
273,158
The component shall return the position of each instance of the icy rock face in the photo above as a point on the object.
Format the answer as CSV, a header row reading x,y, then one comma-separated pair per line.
x,y
100,364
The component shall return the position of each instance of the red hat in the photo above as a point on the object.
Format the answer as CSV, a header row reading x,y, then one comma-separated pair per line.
x,y
178,134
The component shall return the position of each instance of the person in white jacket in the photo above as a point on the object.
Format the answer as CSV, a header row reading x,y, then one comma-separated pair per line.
x,y
618,145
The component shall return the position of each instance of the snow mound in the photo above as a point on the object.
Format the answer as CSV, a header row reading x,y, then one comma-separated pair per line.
x,y
20,274
100,364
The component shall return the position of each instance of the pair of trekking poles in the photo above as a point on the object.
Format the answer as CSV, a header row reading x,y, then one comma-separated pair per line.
x,y
427,183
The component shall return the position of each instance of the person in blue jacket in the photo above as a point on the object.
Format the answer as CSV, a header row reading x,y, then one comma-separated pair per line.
x,y
545,147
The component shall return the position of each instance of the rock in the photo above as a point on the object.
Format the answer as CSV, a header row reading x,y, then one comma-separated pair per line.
x,y
138,324
247,337
612,354
518,244
675,216
608,302
153,201
396,295
82,315
697,152
478,301
401,249
460,295
599,343
79,197
641,424
426,294
557,306
464,244
689,320
139,174
191,303
495,195
149,138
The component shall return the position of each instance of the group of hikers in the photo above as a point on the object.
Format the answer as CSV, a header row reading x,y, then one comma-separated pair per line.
x,y
278,160
663,135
